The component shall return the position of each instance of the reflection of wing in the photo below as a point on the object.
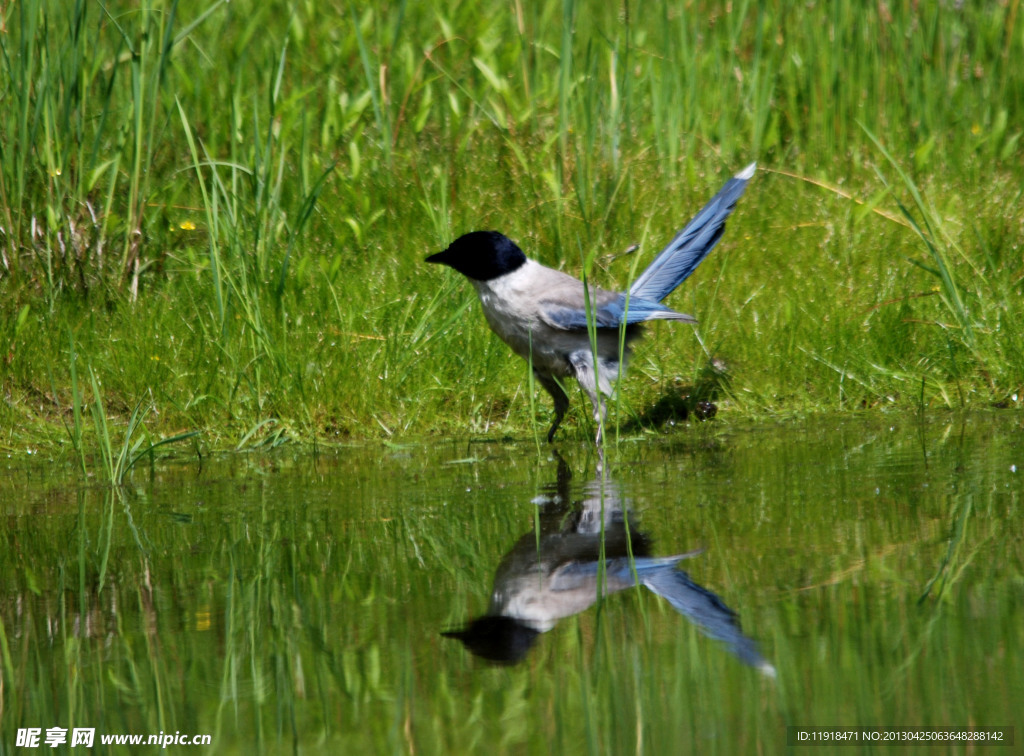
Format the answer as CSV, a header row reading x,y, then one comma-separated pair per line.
x,y
572,576
706,610
618,572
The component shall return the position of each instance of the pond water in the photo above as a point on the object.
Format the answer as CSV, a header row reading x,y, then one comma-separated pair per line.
x,y
862,572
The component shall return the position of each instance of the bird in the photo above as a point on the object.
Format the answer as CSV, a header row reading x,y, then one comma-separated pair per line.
x,y
546,316
578,552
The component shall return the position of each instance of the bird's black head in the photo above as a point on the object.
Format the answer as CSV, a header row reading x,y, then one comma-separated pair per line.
x,y
481,255
500,640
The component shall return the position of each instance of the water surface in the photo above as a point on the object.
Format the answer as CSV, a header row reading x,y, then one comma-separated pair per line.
x,y
856,572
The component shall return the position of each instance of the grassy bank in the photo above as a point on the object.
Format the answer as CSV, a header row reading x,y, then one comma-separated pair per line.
x,y
215,214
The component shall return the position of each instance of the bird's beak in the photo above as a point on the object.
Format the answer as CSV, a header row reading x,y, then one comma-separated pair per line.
x,y
439,257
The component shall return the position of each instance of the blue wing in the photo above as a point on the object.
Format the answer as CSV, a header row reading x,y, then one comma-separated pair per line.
x,y
684,253
623,309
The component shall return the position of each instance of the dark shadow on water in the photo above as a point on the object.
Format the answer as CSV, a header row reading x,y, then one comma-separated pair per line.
x,y
580,548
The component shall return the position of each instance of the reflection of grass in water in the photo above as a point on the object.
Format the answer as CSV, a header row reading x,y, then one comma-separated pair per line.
x,y
271,616
271,619
952,565
306,604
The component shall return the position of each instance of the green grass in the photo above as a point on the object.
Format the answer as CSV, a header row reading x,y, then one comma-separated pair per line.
x,y
227,204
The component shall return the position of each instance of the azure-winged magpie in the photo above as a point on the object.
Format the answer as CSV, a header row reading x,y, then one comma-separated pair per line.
x,y
543,313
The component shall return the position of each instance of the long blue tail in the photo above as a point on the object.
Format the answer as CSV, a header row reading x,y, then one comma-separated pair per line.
x,y
684,253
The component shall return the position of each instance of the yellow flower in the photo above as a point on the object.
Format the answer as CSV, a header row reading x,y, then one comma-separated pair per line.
x,y
975,129
187,226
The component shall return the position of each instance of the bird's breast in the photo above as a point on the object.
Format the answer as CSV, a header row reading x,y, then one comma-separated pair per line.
x,y
513,313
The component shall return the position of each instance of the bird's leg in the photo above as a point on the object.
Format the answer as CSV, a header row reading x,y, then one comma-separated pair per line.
x,y
561,399
594,385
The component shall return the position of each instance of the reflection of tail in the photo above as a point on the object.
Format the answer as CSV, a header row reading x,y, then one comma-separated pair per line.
x,y
705,610
699,605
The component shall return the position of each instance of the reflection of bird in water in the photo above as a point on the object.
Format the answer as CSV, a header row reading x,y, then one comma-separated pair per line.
x,y
556,573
